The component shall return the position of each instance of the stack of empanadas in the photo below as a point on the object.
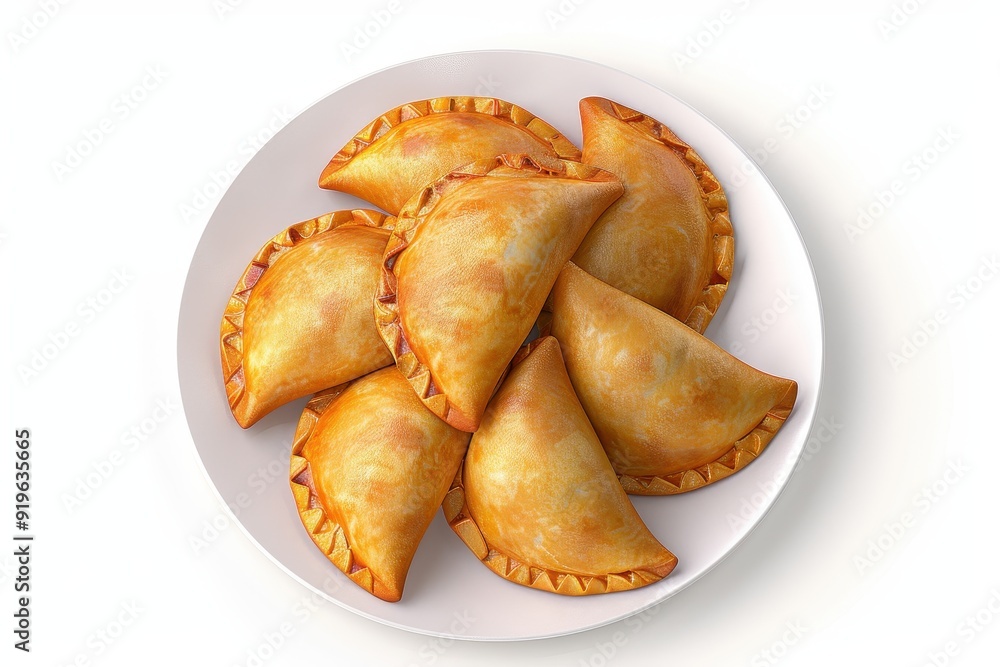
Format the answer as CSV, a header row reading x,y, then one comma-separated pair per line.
x,y
518,340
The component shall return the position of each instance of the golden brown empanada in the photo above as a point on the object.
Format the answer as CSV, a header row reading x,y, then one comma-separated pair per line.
x,y
468,267
536,498
668,240
673,410
412,145
300,318
370,466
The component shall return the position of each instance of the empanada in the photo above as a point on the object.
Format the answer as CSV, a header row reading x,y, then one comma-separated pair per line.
x,y
673,410
536,498
370,466
412,145
468,267
668,240
300,319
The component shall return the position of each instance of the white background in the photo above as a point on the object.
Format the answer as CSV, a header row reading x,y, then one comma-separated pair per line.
x,y
834,559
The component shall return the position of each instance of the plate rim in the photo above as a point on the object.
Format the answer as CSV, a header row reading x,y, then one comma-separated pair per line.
x,y
809,419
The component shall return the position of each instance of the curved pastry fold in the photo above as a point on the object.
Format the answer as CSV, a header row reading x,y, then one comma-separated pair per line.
x,y
412,145
370,466
300,318
668,241
468,267
536,499
673,410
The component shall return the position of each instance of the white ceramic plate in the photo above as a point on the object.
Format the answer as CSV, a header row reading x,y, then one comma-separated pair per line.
x,y
771,318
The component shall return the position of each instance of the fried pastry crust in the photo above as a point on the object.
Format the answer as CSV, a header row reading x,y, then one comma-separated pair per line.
x,y
468,267
668,241
673,410
300,318
537,500
370,466
404,149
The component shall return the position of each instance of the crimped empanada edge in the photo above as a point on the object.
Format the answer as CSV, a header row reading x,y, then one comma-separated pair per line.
x,y
231,330
410,218
490,106
327,534
456,512
741,454
714,197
